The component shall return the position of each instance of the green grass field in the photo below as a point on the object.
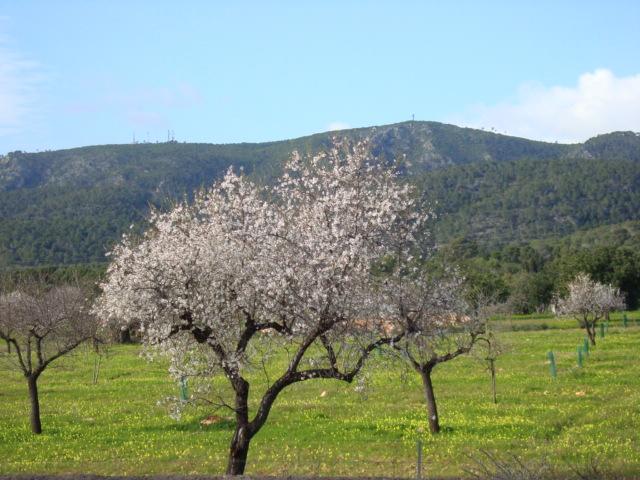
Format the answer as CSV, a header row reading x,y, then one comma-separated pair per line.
x,y
116,428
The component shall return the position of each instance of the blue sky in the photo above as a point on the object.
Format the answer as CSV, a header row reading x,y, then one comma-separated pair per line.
x,y
78,73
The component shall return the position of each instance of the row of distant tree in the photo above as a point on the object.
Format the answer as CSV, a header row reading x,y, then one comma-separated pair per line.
x,y
527,277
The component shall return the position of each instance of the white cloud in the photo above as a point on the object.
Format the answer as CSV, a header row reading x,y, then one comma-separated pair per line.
x,y
333,126
599,103
19,81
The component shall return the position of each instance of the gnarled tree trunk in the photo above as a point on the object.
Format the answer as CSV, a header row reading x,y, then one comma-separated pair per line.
x,y
125,335
432,409
36,425
239,448
238,451
591,333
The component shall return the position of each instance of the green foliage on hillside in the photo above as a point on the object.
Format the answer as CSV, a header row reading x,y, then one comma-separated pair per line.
x,y
531,198
614,145
69,206
526,275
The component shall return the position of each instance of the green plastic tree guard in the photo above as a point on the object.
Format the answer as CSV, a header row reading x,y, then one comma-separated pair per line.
x,y
184,394
580,356
552,364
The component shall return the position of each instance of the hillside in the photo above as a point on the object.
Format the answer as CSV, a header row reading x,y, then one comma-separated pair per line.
x,y
532,198
68,206
428,145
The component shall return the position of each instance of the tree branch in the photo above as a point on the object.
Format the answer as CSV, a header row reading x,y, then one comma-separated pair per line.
x,y
60,353
14,342
294,376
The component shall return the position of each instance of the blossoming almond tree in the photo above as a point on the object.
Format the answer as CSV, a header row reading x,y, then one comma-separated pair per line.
x,y
589,302
292,262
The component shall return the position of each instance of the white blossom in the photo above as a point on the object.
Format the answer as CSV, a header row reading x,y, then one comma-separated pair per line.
x,y
589,301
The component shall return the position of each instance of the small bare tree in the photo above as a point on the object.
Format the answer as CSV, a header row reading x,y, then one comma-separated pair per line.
x,y
488,351
589,302
42,323
437,325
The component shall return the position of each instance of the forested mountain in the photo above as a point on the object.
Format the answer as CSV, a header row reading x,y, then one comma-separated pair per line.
x,y
68,206
531,198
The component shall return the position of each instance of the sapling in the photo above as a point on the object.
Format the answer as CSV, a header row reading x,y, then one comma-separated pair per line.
x,y
489,348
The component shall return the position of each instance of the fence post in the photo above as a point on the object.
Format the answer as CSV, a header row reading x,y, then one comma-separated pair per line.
x,y
419,459
585,346
625,320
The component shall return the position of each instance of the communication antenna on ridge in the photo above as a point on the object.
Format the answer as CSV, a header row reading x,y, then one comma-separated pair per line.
x,y
134,138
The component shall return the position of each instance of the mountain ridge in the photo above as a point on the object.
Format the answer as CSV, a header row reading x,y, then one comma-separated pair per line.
x,y
433,145
67,206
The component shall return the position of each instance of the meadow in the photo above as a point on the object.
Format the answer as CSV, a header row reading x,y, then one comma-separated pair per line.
x,y
116,427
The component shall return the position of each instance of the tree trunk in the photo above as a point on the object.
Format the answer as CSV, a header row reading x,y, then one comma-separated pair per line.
x,y
432,409
591,333
36,426
242,436
238,451
125,335
492,366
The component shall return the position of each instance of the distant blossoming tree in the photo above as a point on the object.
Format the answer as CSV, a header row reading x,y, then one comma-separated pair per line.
x,y
291,262
42,323
589,302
